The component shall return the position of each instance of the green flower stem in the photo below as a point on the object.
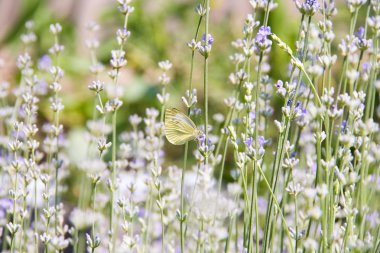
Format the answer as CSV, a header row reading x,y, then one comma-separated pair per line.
x,y
113,169
278,208
227,122
55,154
318,100
254,210
282,139
15,183
147,217
329,214
296,221
230,226
162,224
343,76
325,217
256,180
93,208
201,244
245,187
250,222
163,108
231,111
354,18
192,195
22,236
266,13
325,200
347,233
113,179
284,200
35,217
255,162
14,210
222,166
370,88
46,231
182,205
376,246
278,158
205,78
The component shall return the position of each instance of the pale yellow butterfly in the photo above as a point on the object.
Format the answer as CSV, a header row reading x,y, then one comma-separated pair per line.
x,y
179,128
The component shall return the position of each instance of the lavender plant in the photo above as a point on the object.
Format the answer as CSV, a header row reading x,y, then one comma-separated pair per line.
x,y
288,165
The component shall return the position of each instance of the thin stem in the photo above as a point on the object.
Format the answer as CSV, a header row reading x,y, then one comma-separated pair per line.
x,y
113,180
230,226
255,162
182,207
205,77
35,217
222,166
296,221
182,212
278,207
162,224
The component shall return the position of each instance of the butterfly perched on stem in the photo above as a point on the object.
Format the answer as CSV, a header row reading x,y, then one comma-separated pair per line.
x,y
179,128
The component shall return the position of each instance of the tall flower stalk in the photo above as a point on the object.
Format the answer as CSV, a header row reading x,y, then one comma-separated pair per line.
x,y
117,62
189,101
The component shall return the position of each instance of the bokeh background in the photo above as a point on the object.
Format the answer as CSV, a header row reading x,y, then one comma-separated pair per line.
x,y
160,30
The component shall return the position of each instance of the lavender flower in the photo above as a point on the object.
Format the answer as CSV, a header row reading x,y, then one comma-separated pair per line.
x,y
261,40
360,41
308,7
205,45
45,63
210,39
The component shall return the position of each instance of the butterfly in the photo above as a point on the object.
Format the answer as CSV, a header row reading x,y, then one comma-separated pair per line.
x,y
179,128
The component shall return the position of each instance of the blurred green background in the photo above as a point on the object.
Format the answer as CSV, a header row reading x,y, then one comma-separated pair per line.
x,y
160,30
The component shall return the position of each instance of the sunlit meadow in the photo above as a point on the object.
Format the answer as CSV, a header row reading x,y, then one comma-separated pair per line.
x,y
283,154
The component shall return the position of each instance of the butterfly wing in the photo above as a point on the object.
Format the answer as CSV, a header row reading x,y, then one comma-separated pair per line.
x,y
179,128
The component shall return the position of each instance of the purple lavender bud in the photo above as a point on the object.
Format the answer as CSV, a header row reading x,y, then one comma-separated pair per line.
x,y
309,7
366,66
373,218
248,141
360,41
41,88
312,3
262,140
261,40
344,124
202,138
210,39
45,62
360,33
265,30
5,203
313,169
